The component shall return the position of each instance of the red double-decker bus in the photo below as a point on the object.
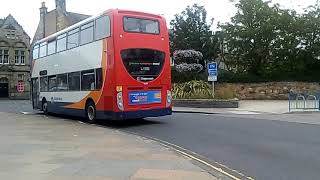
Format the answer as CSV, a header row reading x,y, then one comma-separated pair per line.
x,y
112,66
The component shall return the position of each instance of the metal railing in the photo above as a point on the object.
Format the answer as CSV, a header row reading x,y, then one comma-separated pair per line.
x,y
304,102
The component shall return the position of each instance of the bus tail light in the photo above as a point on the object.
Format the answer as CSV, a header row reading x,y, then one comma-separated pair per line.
x,y
169,98
120,101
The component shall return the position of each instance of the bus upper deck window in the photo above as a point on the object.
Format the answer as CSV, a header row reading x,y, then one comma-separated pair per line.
x,y
35,53
103,27
51,47
73,38
43,49
86,34
62,42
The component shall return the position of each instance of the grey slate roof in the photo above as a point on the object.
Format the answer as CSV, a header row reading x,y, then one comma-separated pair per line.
x,y
76,17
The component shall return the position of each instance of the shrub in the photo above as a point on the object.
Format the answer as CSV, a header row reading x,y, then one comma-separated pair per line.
x,y
184,67
187,56
192,90
181,77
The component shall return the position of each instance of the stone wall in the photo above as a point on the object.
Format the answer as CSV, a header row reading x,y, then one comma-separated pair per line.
x,y
267,91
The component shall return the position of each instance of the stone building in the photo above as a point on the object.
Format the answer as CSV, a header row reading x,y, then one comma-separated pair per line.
x,y
14,60
55,20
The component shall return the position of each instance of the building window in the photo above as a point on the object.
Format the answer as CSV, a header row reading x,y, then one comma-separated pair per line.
x,y
102,27
74,81
73,38
19,57
4,56
22,57
62,82
1,56
62,42
44,84
86,34
87,80
51,47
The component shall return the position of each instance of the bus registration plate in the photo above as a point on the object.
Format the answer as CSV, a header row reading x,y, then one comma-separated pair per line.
x,y
144,97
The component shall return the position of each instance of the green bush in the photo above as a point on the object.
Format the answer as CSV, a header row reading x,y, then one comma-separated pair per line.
x,y
192,90
181,77
231,77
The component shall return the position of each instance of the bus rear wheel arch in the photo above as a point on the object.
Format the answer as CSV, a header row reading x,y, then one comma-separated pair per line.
x,y
90,111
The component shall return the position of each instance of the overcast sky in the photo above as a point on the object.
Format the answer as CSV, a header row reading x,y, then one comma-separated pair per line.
x,y
26,12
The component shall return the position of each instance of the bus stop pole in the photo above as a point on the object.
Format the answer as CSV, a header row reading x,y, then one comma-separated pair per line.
x,y
213,89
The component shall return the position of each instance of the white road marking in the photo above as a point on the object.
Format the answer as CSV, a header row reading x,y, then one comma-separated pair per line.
x,y
244,112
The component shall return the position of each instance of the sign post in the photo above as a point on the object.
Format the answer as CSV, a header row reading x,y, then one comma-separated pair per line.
x,y
212,74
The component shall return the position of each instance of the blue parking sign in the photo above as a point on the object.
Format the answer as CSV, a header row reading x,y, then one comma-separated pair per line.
x,y
213,66
212,71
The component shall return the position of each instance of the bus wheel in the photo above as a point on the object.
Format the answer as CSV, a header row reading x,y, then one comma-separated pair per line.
x,y
45,107
91,112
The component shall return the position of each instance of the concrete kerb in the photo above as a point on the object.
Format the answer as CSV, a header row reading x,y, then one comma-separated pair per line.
x,y
206,103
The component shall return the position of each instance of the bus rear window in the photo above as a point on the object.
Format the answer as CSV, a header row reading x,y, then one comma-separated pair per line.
x,y
138,25
143,64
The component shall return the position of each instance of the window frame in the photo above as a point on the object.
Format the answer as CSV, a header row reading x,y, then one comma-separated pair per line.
x,y
21,53
55,90
84,27
5,55
1,56
87,73
24,57
46,49
47,88
141,18
57,83
72,32
36,47
60,37
55,46
77,72
65,37
95,28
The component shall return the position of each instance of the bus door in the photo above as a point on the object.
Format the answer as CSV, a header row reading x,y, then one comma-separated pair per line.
x,y
35,93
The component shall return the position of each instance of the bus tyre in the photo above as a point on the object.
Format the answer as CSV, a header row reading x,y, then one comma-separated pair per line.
x,y
91,112
45,107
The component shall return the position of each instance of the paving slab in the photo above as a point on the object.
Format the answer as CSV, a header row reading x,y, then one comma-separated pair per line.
x,y
39,147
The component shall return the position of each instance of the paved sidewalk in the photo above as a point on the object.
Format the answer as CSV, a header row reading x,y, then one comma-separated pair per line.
x,y
245,107
48,148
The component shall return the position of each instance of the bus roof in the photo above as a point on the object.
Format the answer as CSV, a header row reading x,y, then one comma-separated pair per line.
x,y
52,36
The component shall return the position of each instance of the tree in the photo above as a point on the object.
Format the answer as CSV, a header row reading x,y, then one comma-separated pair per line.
x,y
273,43
249,35
190,30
